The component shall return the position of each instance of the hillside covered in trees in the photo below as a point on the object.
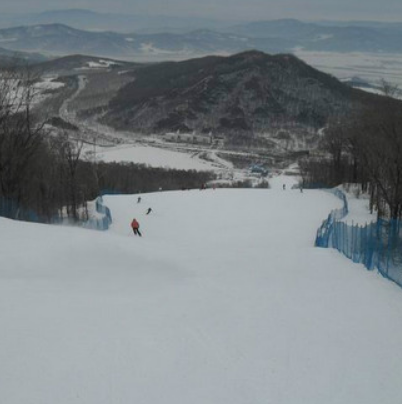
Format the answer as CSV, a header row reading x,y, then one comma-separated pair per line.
x,y
249,93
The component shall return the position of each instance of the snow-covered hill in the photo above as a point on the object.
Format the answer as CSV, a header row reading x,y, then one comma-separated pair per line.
x,y
223,300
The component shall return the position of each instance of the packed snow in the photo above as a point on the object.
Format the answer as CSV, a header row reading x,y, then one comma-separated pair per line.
x,y
358,206
223,300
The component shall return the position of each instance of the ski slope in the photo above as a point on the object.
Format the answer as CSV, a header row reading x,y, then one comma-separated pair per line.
x,y
223,300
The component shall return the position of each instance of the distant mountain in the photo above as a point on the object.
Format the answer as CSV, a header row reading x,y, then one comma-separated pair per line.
x,y
356,23
245,94
380,37
357,82
285,28
58,39
284,36
9,58
68,65
124,23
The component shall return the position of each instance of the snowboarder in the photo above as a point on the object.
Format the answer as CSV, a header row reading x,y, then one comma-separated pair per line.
x,y
139,199
136,227
284,187
149,211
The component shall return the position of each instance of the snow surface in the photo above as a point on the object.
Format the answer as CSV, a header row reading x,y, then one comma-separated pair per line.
x,y
49,83
223,300
101,64
18,92
359,208
369,66
152,156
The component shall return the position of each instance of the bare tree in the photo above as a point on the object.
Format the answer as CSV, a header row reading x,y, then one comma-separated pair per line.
x,y
381,150
69,147
389,89
20,133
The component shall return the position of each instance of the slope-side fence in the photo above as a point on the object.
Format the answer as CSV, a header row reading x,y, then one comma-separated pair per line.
x,y
102,218
99,219
375,245
11,209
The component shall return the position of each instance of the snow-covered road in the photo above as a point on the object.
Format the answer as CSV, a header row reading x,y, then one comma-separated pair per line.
x,y
223,300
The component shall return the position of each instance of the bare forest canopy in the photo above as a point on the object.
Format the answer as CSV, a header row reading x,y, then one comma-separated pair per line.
x,y
363,149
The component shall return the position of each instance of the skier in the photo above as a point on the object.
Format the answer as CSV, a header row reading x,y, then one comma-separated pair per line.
x,y
149,211
139,199
136,227
284,187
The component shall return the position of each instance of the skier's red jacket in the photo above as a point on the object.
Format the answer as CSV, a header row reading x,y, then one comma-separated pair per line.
x,y
135,224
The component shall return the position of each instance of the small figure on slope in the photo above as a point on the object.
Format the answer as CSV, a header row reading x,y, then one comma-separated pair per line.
x,y
139,200
149,211
136,227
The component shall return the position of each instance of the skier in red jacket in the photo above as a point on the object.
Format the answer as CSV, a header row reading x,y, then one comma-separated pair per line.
x,y
136,227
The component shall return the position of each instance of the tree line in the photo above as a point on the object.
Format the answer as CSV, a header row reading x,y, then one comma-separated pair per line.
x,y
364,148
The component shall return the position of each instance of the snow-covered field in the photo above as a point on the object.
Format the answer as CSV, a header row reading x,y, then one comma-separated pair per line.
x,y
100,64
369,66
223,300
154,157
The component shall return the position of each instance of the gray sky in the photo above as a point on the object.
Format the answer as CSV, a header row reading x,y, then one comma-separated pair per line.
x,y
381,10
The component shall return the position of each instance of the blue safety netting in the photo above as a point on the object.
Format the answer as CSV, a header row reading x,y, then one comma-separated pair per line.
x,y
11,209
376,245
103,219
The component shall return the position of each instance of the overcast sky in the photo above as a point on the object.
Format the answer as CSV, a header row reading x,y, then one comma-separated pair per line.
x,y
382,10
